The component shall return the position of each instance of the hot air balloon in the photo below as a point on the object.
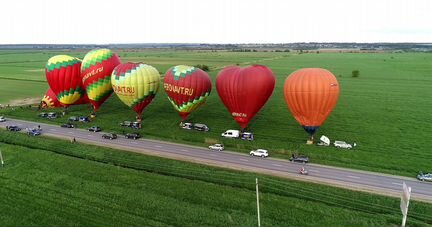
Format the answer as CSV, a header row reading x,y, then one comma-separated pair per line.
x,y
187,88
311,94
245,90
63,76
96,70
136,85
50,100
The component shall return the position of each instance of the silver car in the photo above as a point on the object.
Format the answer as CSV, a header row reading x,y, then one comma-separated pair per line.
x,y
424,176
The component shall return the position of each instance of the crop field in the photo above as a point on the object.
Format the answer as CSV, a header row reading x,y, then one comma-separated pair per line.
x,y
50,182
385,110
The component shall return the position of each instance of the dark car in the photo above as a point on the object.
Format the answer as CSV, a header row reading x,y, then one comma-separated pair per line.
x,y
132,136
83,119
110,136
74,118
13,128
247,136
94,129
299,158
33,132
67,125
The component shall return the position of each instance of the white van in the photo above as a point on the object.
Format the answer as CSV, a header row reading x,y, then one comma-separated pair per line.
x,y
231,133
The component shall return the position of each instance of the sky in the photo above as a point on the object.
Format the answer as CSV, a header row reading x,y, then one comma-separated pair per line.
x,y
214,21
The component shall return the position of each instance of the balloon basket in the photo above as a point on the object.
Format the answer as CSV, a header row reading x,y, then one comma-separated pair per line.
x,y
309,142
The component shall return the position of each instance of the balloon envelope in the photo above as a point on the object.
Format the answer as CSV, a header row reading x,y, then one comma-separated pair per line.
x,y
135,84
50,100
63,76
187,88
311,94
96,70
245,90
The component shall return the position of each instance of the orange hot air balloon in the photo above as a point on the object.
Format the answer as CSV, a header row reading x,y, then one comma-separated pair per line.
x,y
311,94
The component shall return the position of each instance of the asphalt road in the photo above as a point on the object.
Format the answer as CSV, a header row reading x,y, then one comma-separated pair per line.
x,y
340,177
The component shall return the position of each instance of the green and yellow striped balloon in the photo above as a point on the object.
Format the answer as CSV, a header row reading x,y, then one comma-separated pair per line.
x,y
135,84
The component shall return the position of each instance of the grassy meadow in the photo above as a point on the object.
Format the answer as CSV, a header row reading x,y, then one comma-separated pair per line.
x,y
50,182
385,110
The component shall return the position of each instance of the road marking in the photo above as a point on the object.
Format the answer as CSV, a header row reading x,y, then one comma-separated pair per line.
x,y
213,155
396,183
70,132
314,171
90,135
158,146
184,150
355,177
245,160
277,165
134,143
53,129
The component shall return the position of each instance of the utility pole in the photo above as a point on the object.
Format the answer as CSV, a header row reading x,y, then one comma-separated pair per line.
x,y
257,196
1,159
405,198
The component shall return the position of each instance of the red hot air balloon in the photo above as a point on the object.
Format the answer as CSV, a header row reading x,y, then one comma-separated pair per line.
x,y
63,76
245,90
311,94
96,70
187,88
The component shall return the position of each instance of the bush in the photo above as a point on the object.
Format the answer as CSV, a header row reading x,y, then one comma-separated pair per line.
x,y
355,73
203,67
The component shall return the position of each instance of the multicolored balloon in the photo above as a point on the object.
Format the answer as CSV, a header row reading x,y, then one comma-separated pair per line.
x,y
96,70
187,88
50,100
311,94
136,85
244,91
63,76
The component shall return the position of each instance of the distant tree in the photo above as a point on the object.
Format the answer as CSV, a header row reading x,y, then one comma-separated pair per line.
x,y
355,73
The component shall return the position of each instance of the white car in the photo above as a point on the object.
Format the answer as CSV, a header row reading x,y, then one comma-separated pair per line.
x,y
231,133
260,153
2,119
342,144
216,147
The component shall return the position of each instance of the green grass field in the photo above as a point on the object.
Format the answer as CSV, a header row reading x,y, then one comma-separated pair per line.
x,y
385,110
50,182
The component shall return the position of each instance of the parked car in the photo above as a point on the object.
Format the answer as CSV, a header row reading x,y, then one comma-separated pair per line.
x,y
51,115
186,125
324,141
260,153
109,136
83,119
201,127
67,125
132,136
126,124
342,144
43,115
299,158
231,133
2,119
13,128
33,132
247,136
136,125
424,176
94,129
74,118
216,147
